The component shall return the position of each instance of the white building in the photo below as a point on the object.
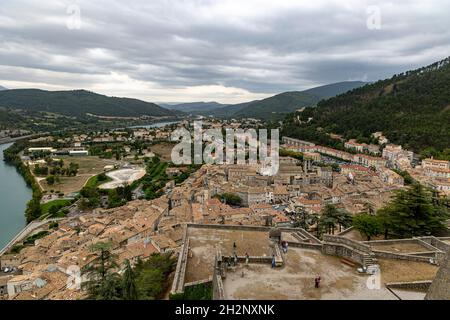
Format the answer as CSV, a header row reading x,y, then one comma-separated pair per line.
x,y
78,153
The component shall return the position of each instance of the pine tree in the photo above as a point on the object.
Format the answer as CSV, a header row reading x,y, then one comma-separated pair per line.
x,y
413,212
343,219
328,219
103,283
368,225
129,283
332,217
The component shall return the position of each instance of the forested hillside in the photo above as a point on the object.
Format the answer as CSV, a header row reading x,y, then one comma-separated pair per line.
x,y
412,109
291,101
78,103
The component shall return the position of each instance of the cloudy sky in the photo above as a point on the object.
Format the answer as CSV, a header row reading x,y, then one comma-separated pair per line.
x,y
223,50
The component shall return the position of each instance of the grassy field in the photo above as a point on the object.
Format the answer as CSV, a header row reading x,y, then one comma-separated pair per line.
x,y
59,202
88,167
156,171
93,182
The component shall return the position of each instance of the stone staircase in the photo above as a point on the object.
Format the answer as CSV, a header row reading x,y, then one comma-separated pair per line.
x,y
299,237
304,236
370,263
353,250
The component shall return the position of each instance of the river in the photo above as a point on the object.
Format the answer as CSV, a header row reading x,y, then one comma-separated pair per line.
x,y
155,125
14,194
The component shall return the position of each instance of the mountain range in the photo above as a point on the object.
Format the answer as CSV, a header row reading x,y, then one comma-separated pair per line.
x,y
194,106
291,101
79,103
279,104
3,88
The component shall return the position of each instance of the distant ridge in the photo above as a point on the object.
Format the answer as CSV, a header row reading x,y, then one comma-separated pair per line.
x,y
285,102
3,88
194,106
79,103
280,104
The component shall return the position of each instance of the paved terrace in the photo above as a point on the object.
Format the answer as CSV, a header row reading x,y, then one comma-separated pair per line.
x,y
203,243
403,247
431,247
305,259
295,281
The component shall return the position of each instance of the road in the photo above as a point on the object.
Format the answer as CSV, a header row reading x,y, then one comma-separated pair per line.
x,y
9,139
25,232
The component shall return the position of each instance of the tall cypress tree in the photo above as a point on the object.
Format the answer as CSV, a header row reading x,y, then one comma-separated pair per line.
x,y
129,283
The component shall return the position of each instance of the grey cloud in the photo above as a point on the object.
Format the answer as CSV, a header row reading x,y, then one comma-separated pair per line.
x,y
262,48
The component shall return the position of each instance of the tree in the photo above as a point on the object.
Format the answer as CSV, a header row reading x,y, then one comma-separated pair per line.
x,y
151,275
408,180
328,218
314,220
91,198
40,171
33,210
327,224
385,219
413,212
129,283
367,224
301,218
343,219
103,283
110,288
53,210
127,192
331,216
50,180
229,198
368,208
73,169
150,284
115,199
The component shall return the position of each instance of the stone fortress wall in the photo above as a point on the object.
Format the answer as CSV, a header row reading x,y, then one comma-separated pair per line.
x,y
360,252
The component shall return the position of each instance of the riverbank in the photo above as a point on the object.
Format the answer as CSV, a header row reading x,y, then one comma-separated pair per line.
x,y
23,233
155,125
14,194
9,140
11,157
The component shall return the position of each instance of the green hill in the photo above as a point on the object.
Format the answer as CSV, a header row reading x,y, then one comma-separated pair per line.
x,y
228,111
412,109
7,117
290,101
281,103
78,103
334,89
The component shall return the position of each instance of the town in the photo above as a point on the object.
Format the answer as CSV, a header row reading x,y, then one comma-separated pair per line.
x,y
231,231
